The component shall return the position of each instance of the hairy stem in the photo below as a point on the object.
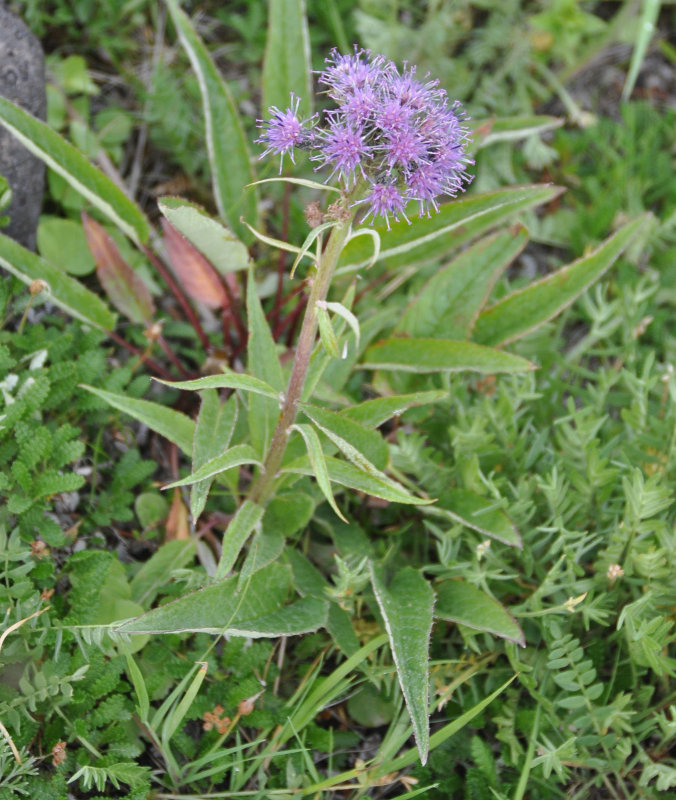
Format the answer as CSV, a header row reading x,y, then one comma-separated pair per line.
x,y
263,486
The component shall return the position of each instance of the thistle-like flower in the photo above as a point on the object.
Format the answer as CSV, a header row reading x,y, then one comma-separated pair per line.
x,y
401,136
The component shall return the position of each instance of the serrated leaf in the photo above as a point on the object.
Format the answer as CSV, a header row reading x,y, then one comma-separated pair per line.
x,y
480,514
286,65
451,300
255,609
406,605
525,310
65,292
123,287
228,380
264,364
227,146
173,425
318,464
194,273
213,431
441,355
241,526
58,154
464,218
216,242
363,446
372,413
459,601
234,457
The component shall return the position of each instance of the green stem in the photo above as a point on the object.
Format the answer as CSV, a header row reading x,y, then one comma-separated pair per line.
x,y
262,488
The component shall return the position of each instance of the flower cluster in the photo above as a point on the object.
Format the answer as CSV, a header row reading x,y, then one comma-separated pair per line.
x,y
398,136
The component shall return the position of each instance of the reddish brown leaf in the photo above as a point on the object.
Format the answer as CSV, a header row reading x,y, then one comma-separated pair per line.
x,y
124,288
195,274
177,525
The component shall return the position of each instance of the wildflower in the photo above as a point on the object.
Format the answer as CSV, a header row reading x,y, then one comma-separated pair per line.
x,y
58,753
283,131
391,139
614,572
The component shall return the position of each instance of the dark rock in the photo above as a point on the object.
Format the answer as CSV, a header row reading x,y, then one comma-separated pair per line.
x,y
22,80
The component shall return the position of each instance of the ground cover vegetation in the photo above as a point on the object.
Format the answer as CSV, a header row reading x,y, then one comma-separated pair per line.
x,y
348,482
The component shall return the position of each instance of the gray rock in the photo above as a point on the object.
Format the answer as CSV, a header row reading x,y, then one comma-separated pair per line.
x,y
22,80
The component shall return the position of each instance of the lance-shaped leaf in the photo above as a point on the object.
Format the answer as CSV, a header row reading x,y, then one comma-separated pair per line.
x,y
256,609
218,244
406,605
363,446
227,148
65,292
459,601
124,288
480,514
455,224
511,129
286,66
173,425
241,526
213,430
346,474
195,274
318,464
451,300
58,154
264,364
373,413
441,355
228,380
234,457
523,311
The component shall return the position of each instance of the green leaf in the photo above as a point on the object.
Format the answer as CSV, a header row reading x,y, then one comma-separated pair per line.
x,y
228,380
286,65
372,413
234,457
459,601
406,605
441,355
345,474
154,573
218,244
67,161
264,364
480,514
363,446
326,333
256,609
450,301
65,291
247,518
63,243
456,223
525,310
213,431
511,129
266,547
318,464
226,142
321,187
288,513
173,425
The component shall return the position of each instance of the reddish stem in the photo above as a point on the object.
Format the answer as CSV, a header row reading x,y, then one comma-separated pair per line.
x,y
149,362
178,294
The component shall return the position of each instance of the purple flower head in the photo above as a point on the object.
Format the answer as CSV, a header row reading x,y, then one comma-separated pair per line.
x,y
283,131
398,137
385,199
342,147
